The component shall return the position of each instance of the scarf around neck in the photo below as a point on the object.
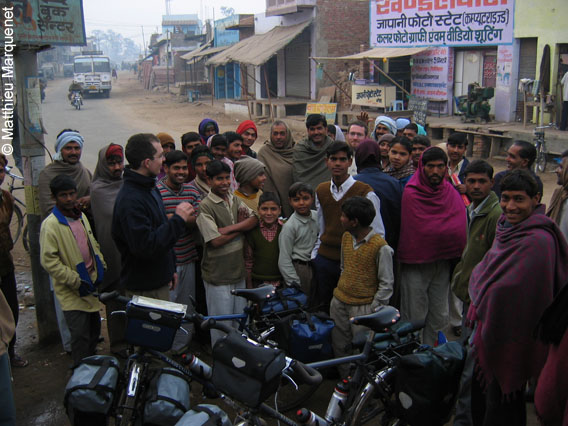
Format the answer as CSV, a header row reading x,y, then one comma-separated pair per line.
x,y
309,162
433,222
510,289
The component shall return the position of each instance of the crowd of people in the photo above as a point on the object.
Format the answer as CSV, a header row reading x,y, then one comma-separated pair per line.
x,y
357,220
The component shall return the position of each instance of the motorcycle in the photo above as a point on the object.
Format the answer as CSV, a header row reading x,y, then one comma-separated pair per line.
x,y
76,99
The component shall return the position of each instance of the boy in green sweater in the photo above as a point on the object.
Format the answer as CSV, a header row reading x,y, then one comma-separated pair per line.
x,y
261,247
366,279
222,220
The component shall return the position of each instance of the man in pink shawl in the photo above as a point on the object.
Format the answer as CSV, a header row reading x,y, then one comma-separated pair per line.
x,y
432,235
510,289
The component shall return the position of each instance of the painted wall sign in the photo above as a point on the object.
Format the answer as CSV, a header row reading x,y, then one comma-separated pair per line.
x,y
373,96
413,23
328,110
44,22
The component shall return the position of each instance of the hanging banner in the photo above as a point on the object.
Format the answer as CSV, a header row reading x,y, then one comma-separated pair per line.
x,y
43,22
432,74
415,23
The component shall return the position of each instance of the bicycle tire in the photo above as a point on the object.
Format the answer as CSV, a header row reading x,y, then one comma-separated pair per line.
x,y
126,416
540,163
26,238
16,223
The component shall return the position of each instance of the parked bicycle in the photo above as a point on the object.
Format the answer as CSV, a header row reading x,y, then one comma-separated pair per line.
x,y
541,149
18,226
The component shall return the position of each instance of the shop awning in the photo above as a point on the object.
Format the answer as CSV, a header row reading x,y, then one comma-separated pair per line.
x,y
378,53
203,51
259,48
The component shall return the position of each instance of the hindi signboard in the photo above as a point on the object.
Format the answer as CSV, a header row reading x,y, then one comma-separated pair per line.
x,y
419,108
432,74
415,23
372,96
44,22
327,110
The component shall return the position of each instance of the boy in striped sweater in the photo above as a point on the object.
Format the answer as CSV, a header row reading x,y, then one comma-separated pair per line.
x,y
366,280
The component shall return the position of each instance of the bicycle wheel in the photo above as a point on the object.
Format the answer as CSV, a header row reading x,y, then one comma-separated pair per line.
x,y
540,162
16,223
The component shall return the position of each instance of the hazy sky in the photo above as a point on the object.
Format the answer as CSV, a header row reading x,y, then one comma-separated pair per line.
x,y
129,16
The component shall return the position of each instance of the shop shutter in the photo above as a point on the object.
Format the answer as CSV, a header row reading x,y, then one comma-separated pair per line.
x,y
527,68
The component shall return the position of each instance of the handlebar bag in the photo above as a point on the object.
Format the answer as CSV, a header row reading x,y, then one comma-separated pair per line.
x,y
153,323
167,397
205,415
286,299
305,336
90,390
244,371
427,383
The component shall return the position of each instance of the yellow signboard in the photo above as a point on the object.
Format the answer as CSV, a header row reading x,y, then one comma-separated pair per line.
x,y
327,110
373,96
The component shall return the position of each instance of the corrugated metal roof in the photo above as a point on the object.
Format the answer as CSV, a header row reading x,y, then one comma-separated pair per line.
x,y
203,51
259,48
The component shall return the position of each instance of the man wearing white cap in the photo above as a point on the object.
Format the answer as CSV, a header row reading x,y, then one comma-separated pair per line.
x,y
383,126
66,161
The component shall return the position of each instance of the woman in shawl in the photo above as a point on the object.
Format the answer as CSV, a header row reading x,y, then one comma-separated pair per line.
x,y
276,154
207,128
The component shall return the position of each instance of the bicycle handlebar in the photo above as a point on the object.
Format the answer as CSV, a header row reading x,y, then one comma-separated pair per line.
x,y
305,373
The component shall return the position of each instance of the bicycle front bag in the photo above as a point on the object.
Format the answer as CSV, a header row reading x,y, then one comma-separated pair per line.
x,y
90,390
167,397
244,371
427,383
153,323
205,415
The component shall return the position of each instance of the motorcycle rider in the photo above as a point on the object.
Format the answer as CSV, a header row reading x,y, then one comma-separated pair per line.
x,y
74,87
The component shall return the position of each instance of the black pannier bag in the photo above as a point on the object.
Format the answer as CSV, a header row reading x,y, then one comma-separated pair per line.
x,y
244,371
427,383
90,391
167,397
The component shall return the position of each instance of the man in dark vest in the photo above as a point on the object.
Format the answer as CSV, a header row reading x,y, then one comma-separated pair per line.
x,y
330,196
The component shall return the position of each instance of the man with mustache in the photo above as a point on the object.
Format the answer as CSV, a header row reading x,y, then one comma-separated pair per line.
x,y
66,161
432,236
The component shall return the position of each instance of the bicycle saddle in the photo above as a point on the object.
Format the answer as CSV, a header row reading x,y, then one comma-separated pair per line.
x,y
255,295
383,318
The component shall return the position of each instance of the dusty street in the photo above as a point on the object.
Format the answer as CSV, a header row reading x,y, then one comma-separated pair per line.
x,y
130,109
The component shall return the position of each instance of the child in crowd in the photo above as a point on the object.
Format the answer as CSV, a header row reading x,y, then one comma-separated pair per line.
x,y
366,280
218,146
251,175
297,239
261,247
247,129
72,258
384,147
400,164
419,145
200,157
222,220
190,141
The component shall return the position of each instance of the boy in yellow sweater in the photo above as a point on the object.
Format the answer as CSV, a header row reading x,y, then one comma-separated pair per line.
x,y
366,279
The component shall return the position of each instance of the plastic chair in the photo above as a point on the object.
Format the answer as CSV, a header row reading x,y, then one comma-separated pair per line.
x,y
397,106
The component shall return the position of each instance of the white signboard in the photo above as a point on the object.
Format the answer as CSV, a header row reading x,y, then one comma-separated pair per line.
x,y
414,23
373,96
432,74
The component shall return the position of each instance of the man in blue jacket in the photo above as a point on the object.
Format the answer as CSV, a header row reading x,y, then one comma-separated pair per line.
x,y
143,234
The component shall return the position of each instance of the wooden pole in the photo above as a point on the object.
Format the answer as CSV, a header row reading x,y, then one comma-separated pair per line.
x,y
333,81
245,88
268,93
387,76
212,84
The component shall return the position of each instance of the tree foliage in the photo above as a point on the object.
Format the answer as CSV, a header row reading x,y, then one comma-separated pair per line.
x,y
116,46
227,11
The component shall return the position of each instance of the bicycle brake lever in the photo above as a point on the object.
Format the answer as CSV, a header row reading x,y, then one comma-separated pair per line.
x,y
291,380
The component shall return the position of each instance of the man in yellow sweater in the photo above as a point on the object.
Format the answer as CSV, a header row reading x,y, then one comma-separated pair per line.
x,y
366,279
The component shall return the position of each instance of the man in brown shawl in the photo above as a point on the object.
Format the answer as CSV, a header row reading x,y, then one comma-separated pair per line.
x,y
558,210
107,181
67,158
310,154
277,156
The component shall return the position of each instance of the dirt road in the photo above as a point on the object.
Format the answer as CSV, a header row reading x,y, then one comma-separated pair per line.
x,y
39,387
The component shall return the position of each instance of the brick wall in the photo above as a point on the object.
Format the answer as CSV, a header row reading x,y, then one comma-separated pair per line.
x,y
342,26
